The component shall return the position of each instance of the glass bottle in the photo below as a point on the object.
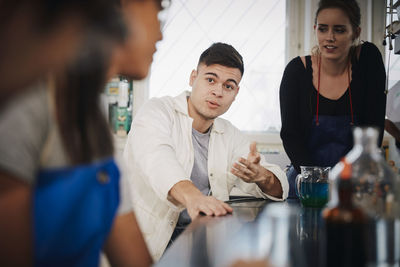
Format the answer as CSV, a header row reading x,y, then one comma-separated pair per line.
x,y
376,187
376,190
345,226
312,186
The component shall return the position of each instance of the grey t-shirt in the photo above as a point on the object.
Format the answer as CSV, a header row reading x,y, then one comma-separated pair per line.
x,y
199,175
24,124
27,128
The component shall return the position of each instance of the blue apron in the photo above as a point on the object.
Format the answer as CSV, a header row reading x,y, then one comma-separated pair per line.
x,y
328,143
73,213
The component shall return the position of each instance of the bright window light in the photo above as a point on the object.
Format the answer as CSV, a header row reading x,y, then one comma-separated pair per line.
x,y
256,28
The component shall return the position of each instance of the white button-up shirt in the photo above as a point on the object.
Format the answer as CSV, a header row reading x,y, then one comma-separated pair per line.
x,y
159,153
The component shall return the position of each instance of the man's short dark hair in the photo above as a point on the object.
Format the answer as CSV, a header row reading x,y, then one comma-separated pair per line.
x,y
222,54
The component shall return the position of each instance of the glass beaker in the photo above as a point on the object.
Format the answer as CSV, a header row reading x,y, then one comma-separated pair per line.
x,y
312,186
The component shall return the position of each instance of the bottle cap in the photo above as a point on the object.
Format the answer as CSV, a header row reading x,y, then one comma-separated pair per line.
x,y
347,170
123,93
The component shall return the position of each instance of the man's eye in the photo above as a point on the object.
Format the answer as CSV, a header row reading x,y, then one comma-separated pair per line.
x,y
210,80
321,29
227,86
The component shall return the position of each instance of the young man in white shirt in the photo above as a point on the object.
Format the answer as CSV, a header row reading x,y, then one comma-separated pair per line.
x,y
184,160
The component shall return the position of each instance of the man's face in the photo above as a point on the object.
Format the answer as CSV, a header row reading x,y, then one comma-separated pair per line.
x,y
214,88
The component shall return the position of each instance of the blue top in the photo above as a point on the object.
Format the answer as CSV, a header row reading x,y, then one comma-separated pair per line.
x,y
73,211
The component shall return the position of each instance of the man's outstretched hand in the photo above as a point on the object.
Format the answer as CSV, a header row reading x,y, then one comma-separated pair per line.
x,y
186,193
250,171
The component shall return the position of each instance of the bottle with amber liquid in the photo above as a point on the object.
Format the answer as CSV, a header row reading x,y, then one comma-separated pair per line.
x,y
345,226
376,191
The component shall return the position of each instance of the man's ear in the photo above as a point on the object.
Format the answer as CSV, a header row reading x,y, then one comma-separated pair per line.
x,y
193,77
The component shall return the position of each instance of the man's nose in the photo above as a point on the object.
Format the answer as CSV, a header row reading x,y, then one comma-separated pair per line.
x,y
217,90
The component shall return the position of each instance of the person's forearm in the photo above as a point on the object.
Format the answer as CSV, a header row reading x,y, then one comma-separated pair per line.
x,y
125,245
273,188
187,194
396,134
182,191
15,222
292,131
295,149
391,128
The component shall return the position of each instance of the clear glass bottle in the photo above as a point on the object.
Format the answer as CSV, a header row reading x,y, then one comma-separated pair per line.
x,y
376,190
345,226
376,186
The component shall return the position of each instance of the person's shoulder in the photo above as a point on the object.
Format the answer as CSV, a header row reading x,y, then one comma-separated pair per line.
x,y
296,62
158,102
296,65
170,101
24,127
160,109
31,104
368,45
368,49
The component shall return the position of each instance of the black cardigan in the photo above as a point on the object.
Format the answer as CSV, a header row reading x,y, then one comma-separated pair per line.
x,y
298,105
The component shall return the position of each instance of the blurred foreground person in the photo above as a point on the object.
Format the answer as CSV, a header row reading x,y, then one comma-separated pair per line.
x,y
250,263
59,182
134,56
38,36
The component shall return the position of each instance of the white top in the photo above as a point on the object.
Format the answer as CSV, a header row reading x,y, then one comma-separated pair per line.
x,y
159,153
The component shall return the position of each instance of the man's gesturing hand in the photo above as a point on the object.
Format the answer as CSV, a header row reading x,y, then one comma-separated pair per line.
x,y
250,171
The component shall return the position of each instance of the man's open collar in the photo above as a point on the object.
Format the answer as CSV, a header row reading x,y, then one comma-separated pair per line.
x,y
181,105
